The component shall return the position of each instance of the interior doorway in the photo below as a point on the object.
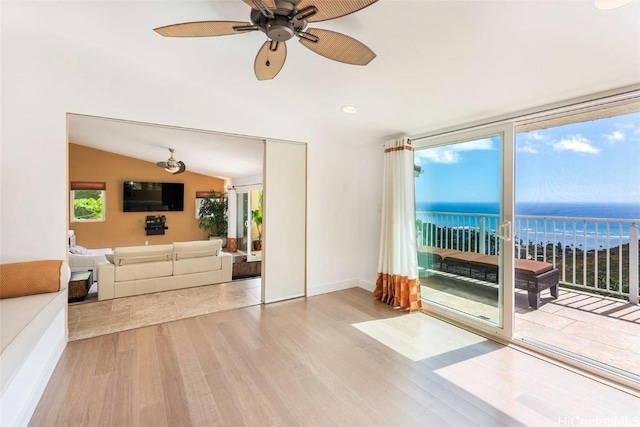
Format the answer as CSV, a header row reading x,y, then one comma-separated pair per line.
x,y
248,257
113,152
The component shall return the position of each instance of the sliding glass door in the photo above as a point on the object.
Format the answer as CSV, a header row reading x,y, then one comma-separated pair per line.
x,y
464,208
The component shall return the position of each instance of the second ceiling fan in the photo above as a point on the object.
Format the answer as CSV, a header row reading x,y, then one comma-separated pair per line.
x,y
281,20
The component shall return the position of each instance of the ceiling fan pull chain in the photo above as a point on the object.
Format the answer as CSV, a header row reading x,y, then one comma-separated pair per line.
x,y
273,46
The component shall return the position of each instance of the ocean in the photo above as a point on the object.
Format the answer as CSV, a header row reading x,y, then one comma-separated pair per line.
x,y
591,226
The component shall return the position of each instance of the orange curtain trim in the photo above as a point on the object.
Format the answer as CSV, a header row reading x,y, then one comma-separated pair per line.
x,y
398,291
404,147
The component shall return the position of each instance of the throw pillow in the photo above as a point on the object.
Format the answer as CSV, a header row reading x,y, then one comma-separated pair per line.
x,y
29,278
79,250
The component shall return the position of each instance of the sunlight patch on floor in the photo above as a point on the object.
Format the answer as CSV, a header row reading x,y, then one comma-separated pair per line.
x,y
418,336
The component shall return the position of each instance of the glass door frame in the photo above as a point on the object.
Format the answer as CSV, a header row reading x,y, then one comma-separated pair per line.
x,y
506,292
248,226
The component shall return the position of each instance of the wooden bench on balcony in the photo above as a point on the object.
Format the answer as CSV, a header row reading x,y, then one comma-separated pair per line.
x,y
532,276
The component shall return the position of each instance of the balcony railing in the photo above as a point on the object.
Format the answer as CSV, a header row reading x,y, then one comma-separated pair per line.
x,y
595,254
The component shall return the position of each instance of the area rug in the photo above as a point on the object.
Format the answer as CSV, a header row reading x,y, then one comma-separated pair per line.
x,y
121,314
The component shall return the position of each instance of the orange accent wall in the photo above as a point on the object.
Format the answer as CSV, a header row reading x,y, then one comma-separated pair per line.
x,y
127,228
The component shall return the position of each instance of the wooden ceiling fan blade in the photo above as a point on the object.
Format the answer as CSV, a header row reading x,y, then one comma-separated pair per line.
x,y
331,9
338,46
271,4
201,29
270,60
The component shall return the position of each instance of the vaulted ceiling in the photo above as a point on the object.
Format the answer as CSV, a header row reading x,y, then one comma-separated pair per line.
x,y
438,64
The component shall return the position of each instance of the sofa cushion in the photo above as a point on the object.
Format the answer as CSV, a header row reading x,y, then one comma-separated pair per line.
x,y
197,265
196,249
144,270
142,254
29,278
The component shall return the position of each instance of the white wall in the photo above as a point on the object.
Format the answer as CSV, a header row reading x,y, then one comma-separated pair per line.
x,y
332,217
370,165
41,83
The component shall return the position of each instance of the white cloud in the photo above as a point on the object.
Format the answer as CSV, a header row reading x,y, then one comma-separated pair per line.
x,y
527,148
440,155
614,136
450,153
576,143
536,136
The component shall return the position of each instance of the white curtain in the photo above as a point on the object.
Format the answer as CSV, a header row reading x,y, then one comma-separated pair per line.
x,y
397,282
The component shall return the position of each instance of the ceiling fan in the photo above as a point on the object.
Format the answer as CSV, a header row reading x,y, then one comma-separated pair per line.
x,y
172,165
280,20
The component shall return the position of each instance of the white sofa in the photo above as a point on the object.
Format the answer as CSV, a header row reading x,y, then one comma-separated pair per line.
x,y
33,334
83,259
139,270
88,261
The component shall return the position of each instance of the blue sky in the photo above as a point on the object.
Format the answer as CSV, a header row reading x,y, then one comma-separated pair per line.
x,y
589,162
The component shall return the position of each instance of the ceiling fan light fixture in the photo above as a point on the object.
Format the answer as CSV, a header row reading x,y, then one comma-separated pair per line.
x,y
611,4
172,165
349,109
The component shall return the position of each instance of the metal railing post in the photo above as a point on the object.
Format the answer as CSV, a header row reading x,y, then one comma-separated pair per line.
x,y
633,263
482,237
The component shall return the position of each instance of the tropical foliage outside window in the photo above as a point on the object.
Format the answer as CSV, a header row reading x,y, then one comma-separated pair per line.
x,y
87,205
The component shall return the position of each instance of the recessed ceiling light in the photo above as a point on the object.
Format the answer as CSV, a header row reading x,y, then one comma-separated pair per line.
x,y
349,109
610,4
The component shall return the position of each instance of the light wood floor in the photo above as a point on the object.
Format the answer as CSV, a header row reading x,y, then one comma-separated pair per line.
x,y
302,362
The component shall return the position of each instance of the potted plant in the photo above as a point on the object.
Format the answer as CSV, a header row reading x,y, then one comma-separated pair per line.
x,y
213,215
256,216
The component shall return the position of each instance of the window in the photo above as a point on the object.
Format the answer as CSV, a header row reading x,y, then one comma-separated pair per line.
x,y
88,201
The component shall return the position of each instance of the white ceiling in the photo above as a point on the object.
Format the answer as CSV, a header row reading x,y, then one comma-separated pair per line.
x,y
439,63
208,153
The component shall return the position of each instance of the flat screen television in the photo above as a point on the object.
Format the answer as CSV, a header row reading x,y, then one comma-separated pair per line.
x,y
152,196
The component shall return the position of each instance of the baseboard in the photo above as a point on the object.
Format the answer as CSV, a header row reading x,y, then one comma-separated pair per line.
x,y
365,284
284,299
332,287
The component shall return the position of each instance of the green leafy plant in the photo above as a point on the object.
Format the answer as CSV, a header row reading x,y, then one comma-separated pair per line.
x,y
256,216
213,213
87,205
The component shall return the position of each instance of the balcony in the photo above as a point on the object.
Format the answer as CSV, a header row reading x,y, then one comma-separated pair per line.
x,y
596,314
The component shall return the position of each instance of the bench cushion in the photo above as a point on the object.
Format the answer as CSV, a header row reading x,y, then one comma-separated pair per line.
x,y
489,261
462,256
440,252
531,267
